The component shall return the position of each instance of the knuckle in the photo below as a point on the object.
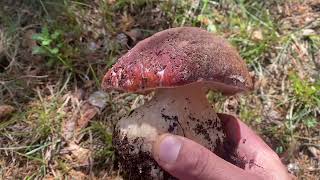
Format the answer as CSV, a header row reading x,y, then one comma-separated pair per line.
x,y
200,164
273,155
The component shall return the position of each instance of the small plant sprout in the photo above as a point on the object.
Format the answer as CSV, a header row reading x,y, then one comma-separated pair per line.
x,y
50,45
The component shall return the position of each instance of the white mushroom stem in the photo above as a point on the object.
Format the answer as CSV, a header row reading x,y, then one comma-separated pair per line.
x,y
182,110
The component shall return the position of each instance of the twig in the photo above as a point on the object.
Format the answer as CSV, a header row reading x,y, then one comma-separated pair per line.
x,y
310,144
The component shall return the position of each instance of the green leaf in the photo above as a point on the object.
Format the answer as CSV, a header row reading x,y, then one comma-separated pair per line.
x,y
59,45
54,51
51,62
45,32
279,149
46,42
56,34
212,28
37,37
310,122
38,50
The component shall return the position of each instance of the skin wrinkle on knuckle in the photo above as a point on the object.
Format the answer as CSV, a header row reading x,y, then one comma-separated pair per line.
x,y
267,174
268,155
274,155
201,161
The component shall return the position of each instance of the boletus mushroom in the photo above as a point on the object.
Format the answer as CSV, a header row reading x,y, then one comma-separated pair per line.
x,y
180,65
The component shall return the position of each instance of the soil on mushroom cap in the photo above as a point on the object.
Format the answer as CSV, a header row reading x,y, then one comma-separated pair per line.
x,y
176,57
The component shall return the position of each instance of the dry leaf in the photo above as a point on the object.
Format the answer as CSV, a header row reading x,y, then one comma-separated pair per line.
x,y
111,2
78,154
28,41
126,22
6,110
78,175
68,127
86,117
49,177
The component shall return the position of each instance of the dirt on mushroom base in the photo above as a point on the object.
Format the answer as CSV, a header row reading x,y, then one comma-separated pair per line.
x,y
137,165
267,110
183,111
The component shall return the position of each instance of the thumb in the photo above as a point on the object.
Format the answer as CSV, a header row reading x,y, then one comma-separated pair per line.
x,y
185,159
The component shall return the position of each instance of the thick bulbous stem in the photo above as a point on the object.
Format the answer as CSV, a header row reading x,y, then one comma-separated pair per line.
x,y
183,111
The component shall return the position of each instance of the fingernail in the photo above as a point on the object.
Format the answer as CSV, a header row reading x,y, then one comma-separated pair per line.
x,y
169,149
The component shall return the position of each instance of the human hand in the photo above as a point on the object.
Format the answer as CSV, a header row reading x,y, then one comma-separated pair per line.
x,y
185,159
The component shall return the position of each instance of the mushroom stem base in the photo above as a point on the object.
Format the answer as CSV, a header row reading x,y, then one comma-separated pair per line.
x,y
183,111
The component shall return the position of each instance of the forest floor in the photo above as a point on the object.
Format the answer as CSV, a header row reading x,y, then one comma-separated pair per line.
x,y
56,123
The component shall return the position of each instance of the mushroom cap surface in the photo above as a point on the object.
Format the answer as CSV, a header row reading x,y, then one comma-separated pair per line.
x,y
177,57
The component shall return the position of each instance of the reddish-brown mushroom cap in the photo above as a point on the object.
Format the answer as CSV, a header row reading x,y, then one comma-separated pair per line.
x,y
176,57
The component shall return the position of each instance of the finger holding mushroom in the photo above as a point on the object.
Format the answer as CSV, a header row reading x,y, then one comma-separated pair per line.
x,y
180,65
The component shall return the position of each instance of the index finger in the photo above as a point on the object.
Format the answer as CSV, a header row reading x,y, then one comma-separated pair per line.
x,y
244,148
245,141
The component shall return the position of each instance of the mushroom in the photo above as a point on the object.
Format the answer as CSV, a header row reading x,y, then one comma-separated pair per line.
x,y
180,65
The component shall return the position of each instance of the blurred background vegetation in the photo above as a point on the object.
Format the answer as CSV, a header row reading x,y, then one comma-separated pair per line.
x,y
56,123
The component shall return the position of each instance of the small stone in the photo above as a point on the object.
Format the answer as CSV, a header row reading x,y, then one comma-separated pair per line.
x,y
314,152
308,32
293,167
257,35
135,35
99,99
122,39
92,46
